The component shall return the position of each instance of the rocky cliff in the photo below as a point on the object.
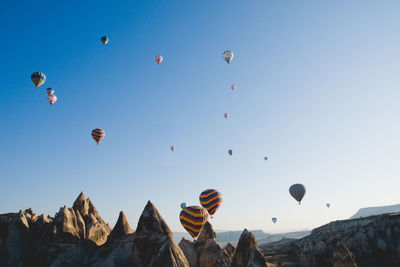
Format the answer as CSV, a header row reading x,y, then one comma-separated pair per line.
x,y
370,241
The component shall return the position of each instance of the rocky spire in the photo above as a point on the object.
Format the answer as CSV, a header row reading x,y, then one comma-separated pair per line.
x,y
151,222
121,228
247,252
343,257
207,232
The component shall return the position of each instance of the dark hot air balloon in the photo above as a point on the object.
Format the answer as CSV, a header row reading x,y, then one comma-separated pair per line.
x,y
274,219
104,40
297,191
38,78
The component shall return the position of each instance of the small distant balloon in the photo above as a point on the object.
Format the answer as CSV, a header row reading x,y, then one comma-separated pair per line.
x,y
183,205
52,99
159,59
265,158
230,152
49,91
38,78
274,219
225,115
233,87
98,135
172,148
104,40
227,56
328,205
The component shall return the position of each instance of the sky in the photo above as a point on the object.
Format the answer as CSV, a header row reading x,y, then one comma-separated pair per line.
x,y
317,92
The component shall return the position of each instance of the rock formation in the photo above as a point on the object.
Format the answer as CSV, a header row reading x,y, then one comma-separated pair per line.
x,y
247,253
342,256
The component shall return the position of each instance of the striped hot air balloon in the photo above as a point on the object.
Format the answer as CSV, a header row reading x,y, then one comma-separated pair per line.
x,y
98,135
211,199
297,191
193,219
38,78
159,59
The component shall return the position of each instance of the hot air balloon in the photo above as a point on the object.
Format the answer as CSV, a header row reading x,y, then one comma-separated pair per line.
x,y
230,151
297,191
49,91
104,40
211,199
159,59
328,205
233,87
38,78
265,158
98,135
193,219
274,219
227,56
183,205
172,148
51,99
225,115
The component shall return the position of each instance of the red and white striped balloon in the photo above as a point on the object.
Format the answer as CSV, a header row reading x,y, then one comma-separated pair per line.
x,y
159,59
233,87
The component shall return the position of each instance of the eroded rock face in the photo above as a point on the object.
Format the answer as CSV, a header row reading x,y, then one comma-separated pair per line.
x,y
190,250
247,253
343,257
121,228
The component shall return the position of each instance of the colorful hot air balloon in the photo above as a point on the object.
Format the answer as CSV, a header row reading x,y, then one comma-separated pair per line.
x,y
183,205
230,152
233,87
38,78
51,99
98,135
104,40
211,199
274,219
49,91
193,219
297,191
227,56
159,59
328,205
265,158
172,148
225,115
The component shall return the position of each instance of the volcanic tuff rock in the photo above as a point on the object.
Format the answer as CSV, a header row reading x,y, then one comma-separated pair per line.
x,y
247,253
206,252
342,256
372,241
120,229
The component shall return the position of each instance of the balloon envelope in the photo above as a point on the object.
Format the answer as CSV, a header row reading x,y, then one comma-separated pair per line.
x,y
265,158
49,91
183,205
230,152
172,148
233,87
328,205
52,99
98,135
274,220
225,115
159,59
38,78
211,200
193,219
227,56
104,40
297,191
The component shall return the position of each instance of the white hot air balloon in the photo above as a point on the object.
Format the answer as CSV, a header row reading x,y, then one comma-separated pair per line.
x,y
227,56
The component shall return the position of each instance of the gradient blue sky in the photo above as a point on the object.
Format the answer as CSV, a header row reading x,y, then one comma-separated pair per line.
x,y
317,92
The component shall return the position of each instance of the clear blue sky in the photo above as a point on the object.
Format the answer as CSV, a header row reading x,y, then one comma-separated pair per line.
x,y
317,92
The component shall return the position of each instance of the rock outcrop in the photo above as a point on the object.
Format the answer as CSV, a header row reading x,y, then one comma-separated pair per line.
x,y
371,241
343,257
247,253
121,228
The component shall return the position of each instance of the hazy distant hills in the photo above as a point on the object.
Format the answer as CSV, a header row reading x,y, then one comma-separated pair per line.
x,y
232,237
365,212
